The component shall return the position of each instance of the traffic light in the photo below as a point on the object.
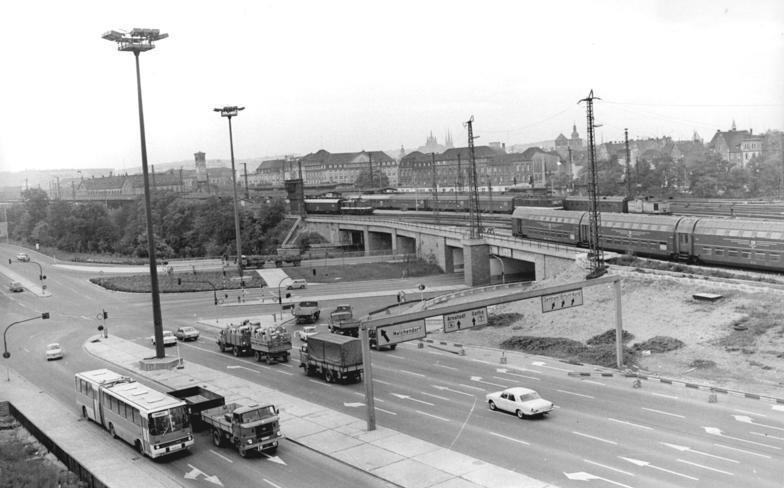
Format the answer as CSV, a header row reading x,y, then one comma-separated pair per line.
x,y
288,295
421,287
105,315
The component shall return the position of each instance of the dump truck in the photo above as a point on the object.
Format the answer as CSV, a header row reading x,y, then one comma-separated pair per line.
x,y
198,399
236,338
333,357
247,428
306,311
272,343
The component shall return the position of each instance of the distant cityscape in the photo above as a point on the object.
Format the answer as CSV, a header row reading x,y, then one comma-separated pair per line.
x,y
559,163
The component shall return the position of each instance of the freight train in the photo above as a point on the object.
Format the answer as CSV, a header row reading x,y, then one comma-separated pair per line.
x,y
753,244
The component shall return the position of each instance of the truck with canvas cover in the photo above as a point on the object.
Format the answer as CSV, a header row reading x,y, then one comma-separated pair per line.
x,y
247,428
271,343
197,399
236,338
333,357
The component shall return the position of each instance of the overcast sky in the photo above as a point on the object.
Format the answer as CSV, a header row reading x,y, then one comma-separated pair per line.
x,y
353,75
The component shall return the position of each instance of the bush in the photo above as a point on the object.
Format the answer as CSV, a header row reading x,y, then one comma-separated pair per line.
x,y
608,337
548,346
659,344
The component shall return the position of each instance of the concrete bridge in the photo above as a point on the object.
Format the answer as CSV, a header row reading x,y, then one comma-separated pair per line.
x,y
450,247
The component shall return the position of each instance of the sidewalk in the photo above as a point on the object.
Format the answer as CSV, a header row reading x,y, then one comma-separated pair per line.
x,y
86,442
28,284
398,458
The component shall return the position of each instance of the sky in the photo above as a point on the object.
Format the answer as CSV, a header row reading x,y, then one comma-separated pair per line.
x,y
370,75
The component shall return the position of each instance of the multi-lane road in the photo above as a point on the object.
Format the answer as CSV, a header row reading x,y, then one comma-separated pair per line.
x,y
604,432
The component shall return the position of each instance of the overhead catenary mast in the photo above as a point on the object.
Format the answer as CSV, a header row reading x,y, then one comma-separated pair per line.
x,y
474,218
596,255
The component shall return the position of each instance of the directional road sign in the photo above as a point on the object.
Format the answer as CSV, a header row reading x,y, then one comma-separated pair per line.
x,y
393,334
465,320
565,299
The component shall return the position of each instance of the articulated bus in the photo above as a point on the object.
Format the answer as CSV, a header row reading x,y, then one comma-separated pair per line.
x,y
153,422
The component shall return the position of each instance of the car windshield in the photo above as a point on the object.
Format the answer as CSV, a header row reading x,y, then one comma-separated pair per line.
x,y
167,333
53,346
187,329
529,396
308,304
258,414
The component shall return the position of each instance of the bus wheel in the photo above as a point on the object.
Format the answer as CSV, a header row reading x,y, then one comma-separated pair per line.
x,y
84,412
111,431
217,438
139,447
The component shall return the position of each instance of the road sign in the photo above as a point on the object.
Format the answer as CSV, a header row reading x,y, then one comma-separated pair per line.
x,y
559,301
465,320
394,334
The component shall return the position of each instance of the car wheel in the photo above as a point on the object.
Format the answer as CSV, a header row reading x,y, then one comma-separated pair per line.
x,y
520,414
491,404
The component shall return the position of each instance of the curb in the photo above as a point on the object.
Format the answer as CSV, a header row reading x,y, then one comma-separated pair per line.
x,y
686,384
443,346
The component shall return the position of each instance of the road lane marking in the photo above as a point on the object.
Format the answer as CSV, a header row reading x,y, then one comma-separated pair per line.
x,y
479,380
436,396
595,438
385,411
381,381
749,413
672,397
664,413
542,365
594,382
577,394
630,423
689,449
409,397
411,373
359,393
646,464
446,388
510,438
742,450
431,415
717,432
609,467
534,378
317,382
471,387
221,456
447,367
767,436
271,483
705,467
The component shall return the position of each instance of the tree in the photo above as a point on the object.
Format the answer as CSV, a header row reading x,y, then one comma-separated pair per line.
x,y
380,179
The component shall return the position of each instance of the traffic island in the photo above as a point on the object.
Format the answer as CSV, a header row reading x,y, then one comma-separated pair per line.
x,y
150,364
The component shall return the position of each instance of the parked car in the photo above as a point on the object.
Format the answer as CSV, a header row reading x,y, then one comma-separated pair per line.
x,y
15,286
169,339
54,351
22,256
187,334
306,332
297,284
522,402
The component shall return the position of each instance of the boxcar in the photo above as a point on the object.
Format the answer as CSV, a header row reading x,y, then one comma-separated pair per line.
x,y
496,204
605,204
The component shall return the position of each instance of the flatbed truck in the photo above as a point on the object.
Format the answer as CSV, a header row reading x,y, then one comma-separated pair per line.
x,y
247,428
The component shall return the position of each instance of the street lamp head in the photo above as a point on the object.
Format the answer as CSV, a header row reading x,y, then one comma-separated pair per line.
x,y
138,40
228,111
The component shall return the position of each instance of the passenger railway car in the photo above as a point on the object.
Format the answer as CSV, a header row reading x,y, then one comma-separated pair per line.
x,y
753,244
322,205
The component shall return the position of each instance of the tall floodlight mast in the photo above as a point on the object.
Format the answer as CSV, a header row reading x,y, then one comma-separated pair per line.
x,y
229,112
596,254
474,219
138,41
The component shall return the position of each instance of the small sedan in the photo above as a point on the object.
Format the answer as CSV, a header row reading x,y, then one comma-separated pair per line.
x,y
306,332
522,402
23,257
187,334
54,351
15,286
169,339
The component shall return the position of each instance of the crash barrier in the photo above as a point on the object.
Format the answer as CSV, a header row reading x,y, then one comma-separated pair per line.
x,y
444,346
72,464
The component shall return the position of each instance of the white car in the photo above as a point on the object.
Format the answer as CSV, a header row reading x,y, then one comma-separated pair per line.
x,y
297,284
187,334
54,351
169,339
23,257
306,332
522,402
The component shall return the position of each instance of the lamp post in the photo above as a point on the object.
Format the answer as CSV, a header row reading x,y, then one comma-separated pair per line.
x,y
229,112
280,297
138,41
214,289
7,354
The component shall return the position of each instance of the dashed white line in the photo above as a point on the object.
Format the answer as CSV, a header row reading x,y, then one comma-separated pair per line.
x,y
630,423
435,396
672,397
749,413
705,467
609,467
318,382
742,450
431,415
471,387
577,394
510,438
767,436
385,411
221,456
411,373
271,483
447,367
664,413
595,438
381,382
594,382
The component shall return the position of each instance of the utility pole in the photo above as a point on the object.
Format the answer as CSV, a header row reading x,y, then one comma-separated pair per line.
x,y
571,170
628,164
596,254
474,219
370,168
435,187
247,195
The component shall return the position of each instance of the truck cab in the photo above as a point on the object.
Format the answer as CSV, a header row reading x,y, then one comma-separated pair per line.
x,y
306,311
